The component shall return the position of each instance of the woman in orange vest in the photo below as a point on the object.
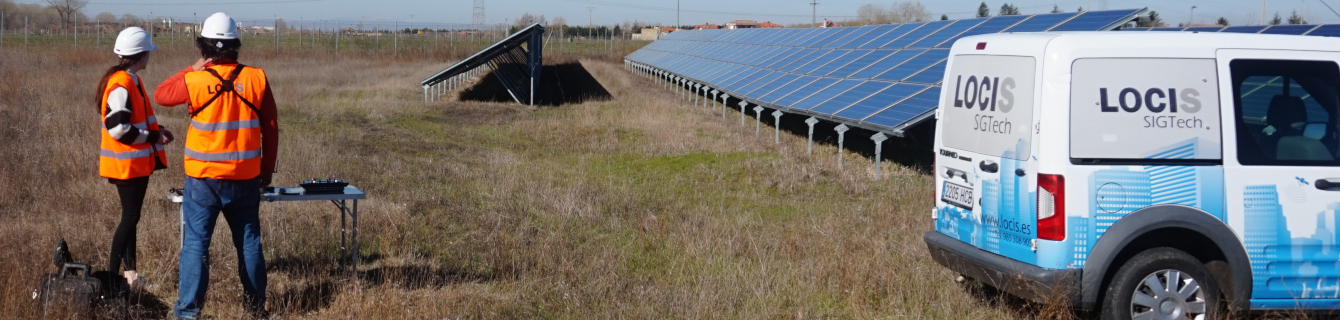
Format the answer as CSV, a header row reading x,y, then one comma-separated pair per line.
x,y
131,142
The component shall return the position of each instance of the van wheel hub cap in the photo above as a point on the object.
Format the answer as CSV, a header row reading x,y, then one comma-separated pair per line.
x,y
1168,294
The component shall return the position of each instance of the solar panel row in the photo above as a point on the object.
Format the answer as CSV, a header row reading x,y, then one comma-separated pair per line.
x,y
883,77
1324,30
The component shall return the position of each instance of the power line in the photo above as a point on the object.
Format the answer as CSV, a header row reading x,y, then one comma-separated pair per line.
x,y
1328,6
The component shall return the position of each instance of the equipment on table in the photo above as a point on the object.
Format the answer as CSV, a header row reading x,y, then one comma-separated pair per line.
x,y
328,186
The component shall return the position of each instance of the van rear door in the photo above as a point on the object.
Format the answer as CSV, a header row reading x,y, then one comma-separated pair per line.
x,y
984,177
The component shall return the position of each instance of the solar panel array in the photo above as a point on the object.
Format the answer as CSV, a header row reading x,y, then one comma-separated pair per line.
x,y
881,77
1323,30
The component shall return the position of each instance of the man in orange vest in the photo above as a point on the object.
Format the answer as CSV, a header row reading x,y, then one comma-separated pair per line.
x,y
230,155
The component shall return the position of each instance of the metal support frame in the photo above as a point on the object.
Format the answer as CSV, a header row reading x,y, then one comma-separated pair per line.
x,y
516,60
777,126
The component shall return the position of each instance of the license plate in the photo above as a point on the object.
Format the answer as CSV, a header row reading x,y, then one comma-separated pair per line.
x,y
957,195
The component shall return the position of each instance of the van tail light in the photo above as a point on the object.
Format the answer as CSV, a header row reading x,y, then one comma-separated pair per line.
x,y
1051,207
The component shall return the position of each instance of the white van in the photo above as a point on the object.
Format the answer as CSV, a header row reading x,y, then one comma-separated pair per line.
x,y
1142,174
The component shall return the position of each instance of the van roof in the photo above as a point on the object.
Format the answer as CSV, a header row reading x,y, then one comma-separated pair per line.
x,y
1160,40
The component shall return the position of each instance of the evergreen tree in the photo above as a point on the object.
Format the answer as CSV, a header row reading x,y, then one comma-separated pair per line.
x,y
1081,9
1008,10
1154,20
944,17
1296,19
1276,20
1223,22
983,11
1056,8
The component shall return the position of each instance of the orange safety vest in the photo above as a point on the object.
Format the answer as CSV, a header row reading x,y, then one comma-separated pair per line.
x,y
224,141
125,161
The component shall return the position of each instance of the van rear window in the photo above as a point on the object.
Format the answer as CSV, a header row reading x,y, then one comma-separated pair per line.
x,y
988,107
1135,109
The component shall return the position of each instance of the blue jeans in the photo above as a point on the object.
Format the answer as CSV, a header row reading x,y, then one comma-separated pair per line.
x,y
203,199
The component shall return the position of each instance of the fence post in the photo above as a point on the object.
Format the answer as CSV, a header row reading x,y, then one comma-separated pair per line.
x,y
395,34
276,23
2,29
25,32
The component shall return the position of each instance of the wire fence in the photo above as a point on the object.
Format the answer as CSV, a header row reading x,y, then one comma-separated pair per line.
x,y
394,39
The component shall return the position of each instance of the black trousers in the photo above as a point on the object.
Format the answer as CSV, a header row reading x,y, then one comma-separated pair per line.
x,y
132,193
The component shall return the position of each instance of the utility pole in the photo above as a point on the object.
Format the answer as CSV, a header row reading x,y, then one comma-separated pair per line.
x,y
1263,12
677,14
590,16
814,12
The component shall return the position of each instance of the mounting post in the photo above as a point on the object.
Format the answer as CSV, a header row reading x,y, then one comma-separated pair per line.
x,y
809,148
714,97
878,138
742,105
696,86
777,126
425,93
841,130
724,98
758,115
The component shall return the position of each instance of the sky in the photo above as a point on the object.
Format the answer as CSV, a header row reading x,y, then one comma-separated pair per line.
x,y
579,12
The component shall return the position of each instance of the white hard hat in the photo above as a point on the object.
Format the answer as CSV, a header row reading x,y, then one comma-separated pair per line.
x,y
219,26
133,40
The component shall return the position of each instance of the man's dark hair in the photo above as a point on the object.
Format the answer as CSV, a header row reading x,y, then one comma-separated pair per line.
x,y
218,49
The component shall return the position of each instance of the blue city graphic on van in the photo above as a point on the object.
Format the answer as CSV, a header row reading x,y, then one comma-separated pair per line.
x,y
1006,226
1289,264
1117,191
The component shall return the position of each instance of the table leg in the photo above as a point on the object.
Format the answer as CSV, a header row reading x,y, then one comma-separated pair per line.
x,y
354,238
343,249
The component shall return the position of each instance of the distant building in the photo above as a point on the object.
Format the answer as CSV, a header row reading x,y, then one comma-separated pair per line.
x,y
706,26
741,24
650,34
830,24
769,24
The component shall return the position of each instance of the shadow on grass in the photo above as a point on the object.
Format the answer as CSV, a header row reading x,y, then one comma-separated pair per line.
x,y
322,279
134,304
560,84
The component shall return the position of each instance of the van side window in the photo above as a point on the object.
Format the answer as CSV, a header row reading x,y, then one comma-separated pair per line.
x,y
1287,112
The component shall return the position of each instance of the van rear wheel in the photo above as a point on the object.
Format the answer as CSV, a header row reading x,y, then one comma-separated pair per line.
x,y
1162,283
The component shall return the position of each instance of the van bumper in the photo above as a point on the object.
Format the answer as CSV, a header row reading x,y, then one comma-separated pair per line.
x,y
1021,279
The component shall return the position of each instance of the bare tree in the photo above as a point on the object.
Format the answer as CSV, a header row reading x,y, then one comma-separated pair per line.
x,y
911,11
67,8
130,19
529,19
871,13
559,21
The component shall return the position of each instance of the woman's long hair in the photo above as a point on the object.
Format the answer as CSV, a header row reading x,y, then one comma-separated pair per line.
x,y
126,62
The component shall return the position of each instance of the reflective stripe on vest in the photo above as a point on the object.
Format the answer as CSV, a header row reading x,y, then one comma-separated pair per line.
x,y
127,155
227,125
222,156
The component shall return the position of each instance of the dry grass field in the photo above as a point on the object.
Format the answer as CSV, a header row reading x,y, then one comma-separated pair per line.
x,y
633,207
